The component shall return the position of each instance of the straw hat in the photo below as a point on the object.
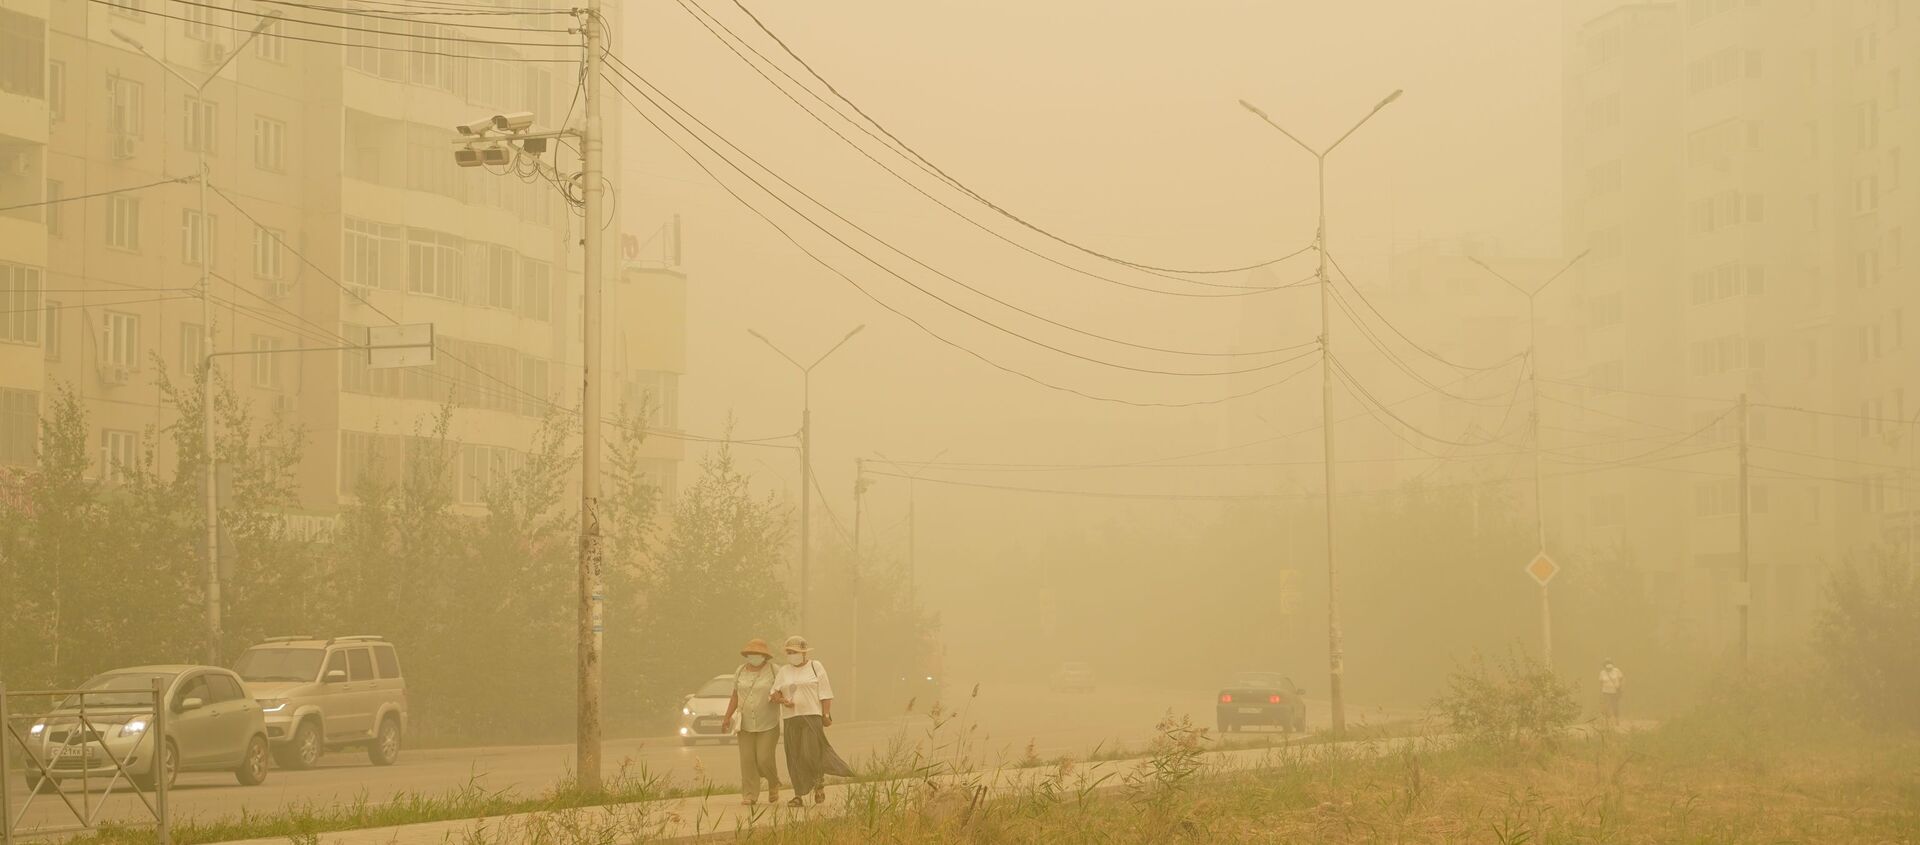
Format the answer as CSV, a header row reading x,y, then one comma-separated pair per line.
x,y
797,643
756,646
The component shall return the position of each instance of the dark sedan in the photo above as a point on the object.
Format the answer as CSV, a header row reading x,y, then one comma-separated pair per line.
x,y
1262,698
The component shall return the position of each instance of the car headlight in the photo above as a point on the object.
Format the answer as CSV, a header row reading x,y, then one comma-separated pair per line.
x,y
133,727
272,705
37,729
686,711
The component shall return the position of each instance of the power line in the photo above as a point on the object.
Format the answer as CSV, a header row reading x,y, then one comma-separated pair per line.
x,y
66,305
1361,392
97,194
403,16
703,17
300,255
1400,363
346,28
913,155
1403,335
231,28
891,308
903,278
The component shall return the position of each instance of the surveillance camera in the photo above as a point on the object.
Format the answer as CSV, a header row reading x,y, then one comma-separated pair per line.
x,y
467,157
534,146
519,121
478,127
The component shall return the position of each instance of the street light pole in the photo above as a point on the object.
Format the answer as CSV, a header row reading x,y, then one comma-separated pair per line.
x,y
806,456
1336,638
205,247
1533,389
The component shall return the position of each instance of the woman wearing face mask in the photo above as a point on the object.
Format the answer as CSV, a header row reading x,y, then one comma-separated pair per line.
x,y
805,697
759,722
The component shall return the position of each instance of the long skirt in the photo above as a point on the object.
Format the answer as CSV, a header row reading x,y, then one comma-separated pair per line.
x,y
809,758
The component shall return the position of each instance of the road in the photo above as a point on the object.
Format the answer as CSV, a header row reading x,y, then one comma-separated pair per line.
x,y
996,725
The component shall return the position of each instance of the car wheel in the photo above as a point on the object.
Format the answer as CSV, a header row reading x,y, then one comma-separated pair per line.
x,y
168,766
304,751
688,741
253,767
386,744
34,779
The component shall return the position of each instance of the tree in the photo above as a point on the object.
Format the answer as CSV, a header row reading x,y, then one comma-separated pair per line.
x,y
1869,639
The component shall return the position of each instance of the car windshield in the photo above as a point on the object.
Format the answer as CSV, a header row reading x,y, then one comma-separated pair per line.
x,y
716,688
1259,680
279,664
138,688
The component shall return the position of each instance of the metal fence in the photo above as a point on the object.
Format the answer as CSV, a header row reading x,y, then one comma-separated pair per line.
x,y
62,739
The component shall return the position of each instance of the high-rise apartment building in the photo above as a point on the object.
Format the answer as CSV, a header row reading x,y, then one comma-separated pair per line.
x,y
1734,167
333,205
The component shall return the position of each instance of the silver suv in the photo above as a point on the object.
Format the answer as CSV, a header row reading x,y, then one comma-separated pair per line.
x,y
321,694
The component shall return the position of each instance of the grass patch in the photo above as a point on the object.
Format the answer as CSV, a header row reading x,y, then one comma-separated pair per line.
x,y
303,822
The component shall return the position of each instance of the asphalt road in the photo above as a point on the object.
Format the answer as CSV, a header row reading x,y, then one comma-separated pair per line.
x,y
997,725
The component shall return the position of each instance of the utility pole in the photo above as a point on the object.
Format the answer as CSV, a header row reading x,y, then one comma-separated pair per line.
x,y
1533,425
806,458
1745,595
1336,638
859,573
204,243
913,522
592,591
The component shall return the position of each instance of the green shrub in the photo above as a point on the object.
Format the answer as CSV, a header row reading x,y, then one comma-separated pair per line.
x,y
1516,703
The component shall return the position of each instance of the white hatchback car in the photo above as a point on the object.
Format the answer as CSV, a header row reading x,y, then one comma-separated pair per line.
x,y
212,726
323,694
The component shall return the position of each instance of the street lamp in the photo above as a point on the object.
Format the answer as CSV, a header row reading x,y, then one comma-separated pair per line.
x,y
206,319
1533,387
1336,645
806,453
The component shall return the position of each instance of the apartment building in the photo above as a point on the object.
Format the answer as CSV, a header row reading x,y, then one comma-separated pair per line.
x,y
1734,168
23,233
333,204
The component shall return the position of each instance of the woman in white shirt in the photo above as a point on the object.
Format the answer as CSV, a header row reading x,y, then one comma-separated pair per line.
x,y
805,696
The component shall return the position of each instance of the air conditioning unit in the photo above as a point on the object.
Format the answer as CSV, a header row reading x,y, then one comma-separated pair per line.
x,y
123,146
213,52
284,404
115,374
279,288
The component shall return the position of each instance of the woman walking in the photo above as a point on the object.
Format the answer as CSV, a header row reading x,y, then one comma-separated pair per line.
x,y
805,697
759,722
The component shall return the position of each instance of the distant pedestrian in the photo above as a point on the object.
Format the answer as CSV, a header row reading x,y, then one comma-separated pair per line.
x,y
805,696
759,721
1611,681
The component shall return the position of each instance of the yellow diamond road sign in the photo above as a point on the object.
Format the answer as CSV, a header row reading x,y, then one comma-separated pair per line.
x,y
1542,568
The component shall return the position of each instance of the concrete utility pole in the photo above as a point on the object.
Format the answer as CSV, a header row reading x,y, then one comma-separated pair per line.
x,y
592,590
806,457
1745,596
1533,423
1336,641
913,522
205,247
859,573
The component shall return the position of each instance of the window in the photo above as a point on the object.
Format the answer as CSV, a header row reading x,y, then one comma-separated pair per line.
x,y
1866,268
50,341
194,688
533,385
1716,498
120,340
435,264
359,665
23,54
1607,375
19,426
1603,178
199,19
1606,244
503,267
372,254
126,8
119,453
269,45
336,662
481,469
1866,194
269,144
536,291
126,107
55,190
223,687
266,364
1866,124
1726,354
20,315
1604,113
267,252
202,124
123,222
1892,170
193,346
57,90
1605,310
198,236
388,663
1727,281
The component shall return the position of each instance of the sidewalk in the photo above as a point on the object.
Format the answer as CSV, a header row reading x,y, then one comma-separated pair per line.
x,y
721,814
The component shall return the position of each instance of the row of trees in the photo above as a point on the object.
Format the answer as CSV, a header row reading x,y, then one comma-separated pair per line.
x,y
98,575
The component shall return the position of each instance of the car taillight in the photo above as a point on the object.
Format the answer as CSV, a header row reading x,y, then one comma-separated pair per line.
x,y
1226,698
1273,699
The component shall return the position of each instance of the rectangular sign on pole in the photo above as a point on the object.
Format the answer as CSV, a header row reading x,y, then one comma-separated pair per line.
x,y
408,345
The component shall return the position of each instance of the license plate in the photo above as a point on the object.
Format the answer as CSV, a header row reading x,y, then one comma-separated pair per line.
x,y
1252,710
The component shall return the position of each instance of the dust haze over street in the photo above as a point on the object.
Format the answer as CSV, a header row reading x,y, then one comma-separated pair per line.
x,y
456,407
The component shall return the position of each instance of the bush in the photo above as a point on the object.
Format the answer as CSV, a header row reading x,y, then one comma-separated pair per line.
x,y
1869,641
1516,703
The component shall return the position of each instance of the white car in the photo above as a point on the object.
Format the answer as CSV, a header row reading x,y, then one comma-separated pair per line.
x,y
212,726
703,712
